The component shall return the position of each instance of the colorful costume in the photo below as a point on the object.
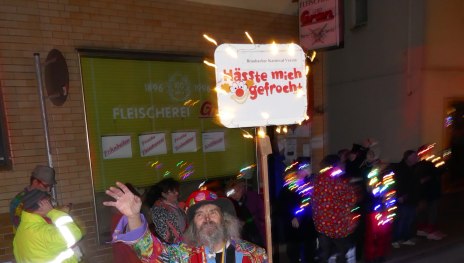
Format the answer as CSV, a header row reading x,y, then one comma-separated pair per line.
x,y
333,204
333,201
151,250
381,207
16,208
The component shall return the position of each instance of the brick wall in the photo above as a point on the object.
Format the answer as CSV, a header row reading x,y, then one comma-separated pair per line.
x,y
37,26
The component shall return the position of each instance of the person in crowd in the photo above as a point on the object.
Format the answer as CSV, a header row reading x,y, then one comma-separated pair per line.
x,y
356,158
407,188
212,234
351,162
344,155
333,204
429,170
249,206
123,253
45,234
378,206
296,214
168,217
42,178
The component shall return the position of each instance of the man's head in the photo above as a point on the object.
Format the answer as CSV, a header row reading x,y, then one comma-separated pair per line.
x,y
236,189
211,219
410,157
43,178
37,201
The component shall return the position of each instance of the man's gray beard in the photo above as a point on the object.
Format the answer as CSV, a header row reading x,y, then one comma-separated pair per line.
x,y
228,228
210,234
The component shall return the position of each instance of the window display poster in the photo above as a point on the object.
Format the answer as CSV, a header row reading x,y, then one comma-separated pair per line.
x,y
161,106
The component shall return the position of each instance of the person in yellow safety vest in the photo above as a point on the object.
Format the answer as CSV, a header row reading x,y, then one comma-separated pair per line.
x,y
45,234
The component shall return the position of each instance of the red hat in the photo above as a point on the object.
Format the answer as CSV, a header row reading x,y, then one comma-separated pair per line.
x,y
204,197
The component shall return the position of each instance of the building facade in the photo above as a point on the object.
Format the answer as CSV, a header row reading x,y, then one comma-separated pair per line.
x,y
29,27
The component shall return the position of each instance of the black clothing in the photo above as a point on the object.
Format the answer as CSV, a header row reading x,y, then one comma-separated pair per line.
x,y
250,231
407,184
430,178
303,237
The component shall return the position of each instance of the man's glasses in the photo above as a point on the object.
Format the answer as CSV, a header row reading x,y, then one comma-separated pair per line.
x,y
44,184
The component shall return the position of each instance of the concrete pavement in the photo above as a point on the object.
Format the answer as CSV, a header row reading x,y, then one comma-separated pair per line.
x,y
448,250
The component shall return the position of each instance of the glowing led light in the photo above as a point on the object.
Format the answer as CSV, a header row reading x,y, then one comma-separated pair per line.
x,y
210,39
249,37
373,181
209,63
265,115
220,90
247,168
429,147
290,166
274,48
230,192
448,121
226,115
201,184
300,93
247,135
291,49
261,132
231,52
312,56
373,173
284,129
336,172
186,175
277,129
325,169
307,70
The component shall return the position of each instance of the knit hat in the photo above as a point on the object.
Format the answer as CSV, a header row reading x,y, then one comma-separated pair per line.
x,y
32,198
204,197
45,174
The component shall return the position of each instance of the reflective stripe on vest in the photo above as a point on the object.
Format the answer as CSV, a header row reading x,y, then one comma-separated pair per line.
x,y
68,253
64,230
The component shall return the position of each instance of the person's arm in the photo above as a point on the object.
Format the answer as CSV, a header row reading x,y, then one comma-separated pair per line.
x,y
65,230
132,228
127,203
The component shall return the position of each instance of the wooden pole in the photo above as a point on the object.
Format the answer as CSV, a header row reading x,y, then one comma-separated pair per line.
x,y
264,146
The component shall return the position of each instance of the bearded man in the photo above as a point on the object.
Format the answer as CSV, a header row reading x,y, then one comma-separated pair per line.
x,y
212,235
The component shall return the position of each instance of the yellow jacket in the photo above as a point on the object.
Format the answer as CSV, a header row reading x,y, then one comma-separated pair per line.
x,y
37,241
